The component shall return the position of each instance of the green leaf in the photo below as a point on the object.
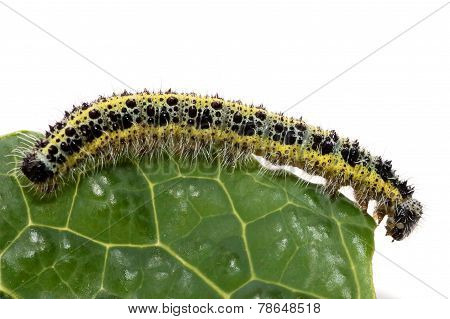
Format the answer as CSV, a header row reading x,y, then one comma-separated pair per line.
x,y
166,229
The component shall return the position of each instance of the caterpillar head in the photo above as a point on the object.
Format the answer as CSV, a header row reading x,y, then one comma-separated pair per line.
x,y
406,216
36,168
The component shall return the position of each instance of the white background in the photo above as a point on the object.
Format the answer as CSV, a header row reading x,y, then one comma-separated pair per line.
x,y
396,102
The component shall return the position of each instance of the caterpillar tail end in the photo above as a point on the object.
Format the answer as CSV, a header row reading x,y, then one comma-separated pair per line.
x,y
35,170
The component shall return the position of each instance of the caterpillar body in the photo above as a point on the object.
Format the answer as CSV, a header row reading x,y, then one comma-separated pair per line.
x,y
143,123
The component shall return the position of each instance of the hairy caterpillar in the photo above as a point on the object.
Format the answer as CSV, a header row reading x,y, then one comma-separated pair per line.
x,y
138,124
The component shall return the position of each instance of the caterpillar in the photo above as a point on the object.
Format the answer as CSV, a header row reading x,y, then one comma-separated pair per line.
x,y
139,124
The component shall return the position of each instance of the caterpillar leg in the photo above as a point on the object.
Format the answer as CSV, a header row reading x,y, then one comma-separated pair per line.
x,y
331,188
362,200
379,213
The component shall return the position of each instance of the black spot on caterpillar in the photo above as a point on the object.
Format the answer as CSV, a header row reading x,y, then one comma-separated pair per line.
x,y
135,125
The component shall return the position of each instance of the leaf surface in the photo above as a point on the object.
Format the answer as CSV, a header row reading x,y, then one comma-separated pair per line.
x,y
166,229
